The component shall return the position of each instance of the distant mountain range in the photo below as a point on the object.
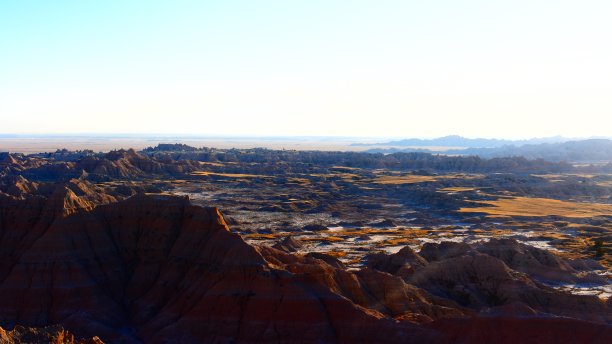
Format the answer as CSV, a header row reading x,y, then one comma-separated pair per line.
x,y
460,141
586,151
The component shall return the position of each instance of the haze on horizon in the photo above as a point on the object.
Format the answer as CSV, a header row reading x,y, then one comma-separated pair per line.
x,y
505,69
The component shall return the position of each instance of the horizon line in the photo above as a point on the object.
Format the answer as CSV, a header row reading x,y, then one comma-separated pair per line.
x,y
255,136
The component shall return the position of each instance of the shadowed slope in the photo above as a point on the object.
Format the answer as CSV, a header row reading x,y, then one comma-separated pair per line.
x,y
157,268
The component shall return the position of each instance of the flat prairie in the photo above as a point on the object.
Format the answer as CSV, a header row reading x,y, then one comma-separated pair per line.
x,y
415,178
528,206
229,175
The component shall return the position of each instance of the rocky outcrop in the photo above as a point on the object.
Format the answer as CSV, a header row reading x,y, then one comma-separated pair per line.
x,y
18,186
289,244
540,264
377,292
54,172
480,281
156,268
446,249
333,261
7,158
403,263
119,164
125,164
501,277
50,335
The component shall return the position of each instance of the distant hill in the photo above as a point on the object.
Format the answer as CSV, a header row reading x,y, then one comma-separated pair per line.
x,y
591,151
459,141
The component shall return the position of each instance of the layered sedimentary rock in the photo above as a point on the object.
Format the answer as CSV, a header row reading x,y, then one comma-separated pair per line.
x,y
155,268
120,164
130,164
500,276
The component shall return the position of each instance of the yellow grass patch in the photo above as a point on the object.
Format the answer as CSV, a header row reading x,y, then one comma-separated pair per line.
x,y
229,175
322,238
457,189
561,176
210,163
364,231
401,241
258,236
415,178
344,168
407,179
526,206
348,176
337,254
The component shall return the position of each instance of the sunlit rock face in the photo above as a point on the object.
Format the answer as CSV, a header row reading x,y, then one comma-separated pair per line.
x,y
50,334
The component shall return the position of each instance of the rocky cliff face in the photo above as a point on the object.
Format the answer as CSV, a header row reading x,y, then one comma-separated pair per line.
x,y
130,164
155,268
119,164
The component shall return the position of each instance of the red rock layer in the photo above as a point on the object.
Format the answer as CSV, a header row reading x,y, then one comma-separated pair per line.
x,y
165,270
130,164
158,269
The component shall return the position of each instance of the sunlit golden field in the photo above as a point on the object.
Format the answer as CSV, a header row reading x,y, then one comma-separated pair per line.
x,y
527,206
415,178
229,175
457,189
408,179
207,163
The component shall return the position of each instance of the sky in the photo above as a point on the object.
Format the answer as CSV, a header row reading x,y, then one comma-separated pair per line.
x,y
407,68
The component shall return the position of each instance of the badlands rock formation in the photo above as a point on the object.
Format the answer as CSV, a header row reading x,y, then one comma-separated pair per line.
x,y
112,261
155,268
499,276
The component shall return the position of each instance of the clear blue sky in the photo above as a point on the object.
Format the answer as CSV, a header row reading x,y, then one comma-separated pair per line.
x,y
352,68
